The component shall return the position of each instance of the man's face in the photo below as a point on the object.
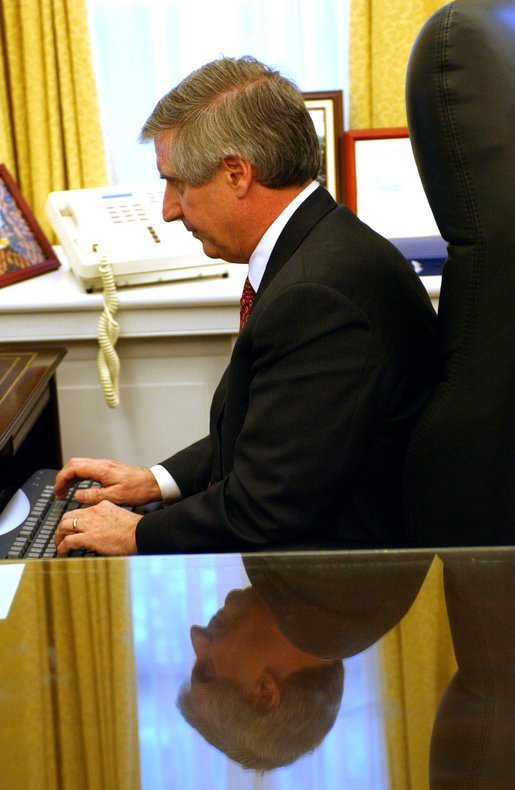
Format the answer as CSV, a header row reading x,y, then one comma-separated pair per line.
x,y
209,211
228,647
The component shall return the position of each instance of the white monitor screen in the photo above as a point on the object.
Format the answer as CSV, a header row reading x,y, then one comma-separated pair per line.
x,y
390,196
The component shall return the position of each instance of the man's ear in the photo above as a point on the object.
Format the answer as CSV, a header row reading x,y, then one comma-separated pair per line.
x,y
239,174
267,693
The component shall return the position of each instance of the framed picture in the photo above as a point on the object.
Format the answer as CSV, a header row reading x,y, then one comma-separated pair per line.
x,y
24,249
326,110
382,184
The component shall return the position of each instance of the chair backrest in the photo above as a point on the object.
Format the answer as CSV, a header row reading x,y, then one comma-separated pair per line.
x,y
460,96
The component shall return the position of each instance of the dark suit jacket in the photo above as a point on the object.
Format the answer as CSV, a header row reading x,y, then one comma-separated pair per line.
x,y
336,604
310,421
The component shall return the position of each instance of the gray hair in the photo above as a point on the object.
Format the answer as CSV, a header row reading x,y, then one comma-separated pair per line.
x,y
238,107
310,701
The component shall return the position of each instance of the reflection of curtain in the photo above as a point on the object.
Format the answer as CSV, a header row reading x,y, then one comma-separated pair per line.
x,y
50,134
67,689
382,33
418,663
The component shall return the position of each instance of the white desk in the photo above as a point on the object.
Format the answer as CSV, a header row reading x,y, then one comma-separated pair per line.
x,y
55,306
175,342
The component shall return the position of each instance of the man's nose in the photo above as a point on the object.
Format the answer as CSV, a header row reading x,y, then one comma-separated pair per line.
x,y
200,639
172,209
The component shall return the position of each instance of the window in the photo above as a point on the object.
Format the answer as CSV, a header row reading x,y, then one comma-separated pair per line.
x,y
143,48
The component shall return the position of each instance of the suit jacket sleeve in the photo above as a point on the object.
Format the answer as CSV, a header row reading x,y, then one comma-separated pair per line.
x,y
303,395
190,468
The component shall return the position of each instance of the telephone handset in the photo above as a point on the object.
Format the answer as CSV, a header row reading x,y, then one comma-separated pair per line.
x,y
115,237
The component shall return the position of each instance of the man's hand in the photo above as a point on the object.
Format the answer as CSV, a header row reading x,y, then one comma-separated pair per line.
x,y
120,483
105,529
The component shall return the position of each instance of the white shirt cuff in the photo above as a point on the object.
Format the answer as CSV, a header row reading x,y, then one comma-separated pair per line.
x,y
170,491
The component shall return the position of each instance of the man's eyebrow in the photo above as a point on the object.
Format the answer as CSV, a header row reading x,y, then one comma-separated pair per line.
x,y
174,178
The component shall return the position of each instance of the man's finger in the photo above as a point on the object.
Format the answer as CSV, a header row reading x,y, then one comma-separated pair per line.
x,y
63,482
69,525
75,469
91,496
64,479
70,542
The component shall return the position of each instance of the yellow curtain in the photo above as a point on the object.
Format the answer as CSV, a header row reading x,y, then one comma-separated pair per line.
x,y
50,132
68,715
382,33
417,662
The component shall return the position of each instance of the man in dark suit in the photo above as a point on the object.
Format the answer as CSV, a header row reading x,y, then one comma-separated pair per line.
x,y
335,356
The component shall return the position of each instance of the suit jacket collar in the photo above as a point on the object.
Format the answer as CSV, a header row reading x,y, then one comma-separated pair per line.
x,y
309,213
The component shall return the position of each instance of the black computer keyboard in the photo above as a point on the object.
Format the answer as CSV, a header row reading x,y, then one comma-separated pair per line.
x,y
33,538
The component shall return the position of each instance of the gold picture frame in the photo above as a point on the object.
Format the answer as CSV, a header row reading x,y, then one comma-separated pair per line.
x,y
326,110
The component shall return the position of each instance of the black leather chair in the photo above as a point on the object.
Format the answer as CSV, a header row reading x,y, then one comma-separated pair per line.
x,y
460,95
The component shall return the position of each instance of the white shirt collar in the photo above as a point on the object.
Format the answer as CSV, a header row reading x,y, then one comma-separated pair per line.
x,y
261,255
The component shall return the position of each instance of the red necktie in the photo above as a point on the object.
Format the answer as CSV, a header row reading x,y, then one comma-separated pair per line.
x,y
246,302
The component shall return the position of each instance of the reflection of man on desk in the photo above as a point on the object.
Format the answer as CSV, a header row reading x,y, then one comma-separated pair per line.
x,y
267,682
310,422
253,693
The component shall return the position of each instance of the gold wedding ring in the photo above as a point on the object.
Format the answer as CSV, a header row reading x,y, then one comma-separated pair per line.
x,y
74,525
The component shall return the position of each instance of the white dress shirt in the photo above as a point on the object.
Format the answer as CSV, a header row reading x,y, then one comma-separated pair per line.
x,y
257,264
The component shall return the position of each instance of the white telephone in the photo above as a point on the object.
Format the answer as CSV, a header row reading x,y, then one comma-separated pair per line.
x,y
116,236
126,226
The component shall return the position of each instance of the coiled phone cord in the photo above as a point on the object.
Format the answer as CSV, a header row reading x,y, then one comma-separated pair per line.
x,y
108,329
